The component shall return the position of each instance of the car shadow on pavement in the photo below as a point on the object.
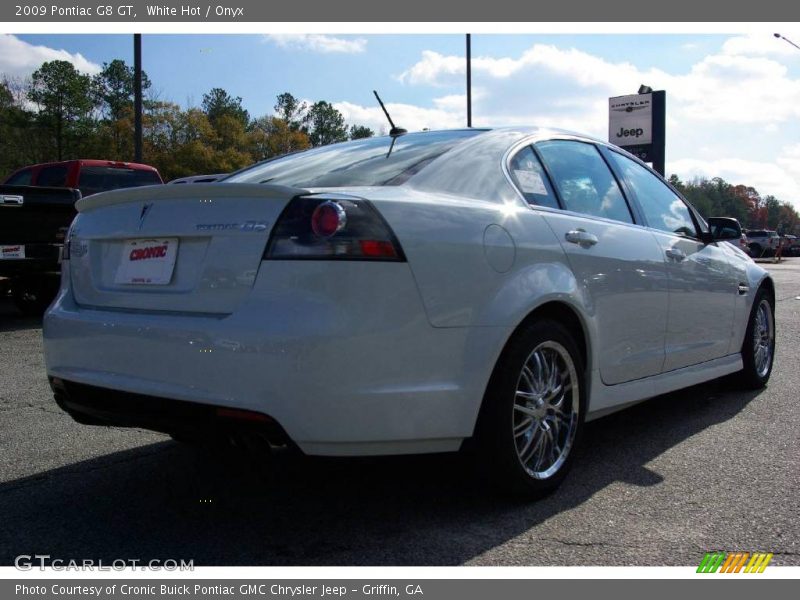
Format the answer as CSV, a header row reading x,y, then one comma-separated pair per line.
x,y
13,320
166,500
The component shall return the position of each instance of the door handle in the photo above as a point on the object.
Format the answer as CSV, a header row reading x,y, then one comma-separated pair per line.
x,y
676,254
581,237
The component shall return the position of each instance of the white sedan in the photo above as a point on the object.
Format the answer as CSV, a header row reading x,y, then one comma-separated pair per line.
x,y
404,295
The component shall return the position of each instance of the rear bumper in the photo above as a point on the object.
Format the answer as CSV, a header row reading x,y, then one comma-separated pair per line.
x,y
98,406
340,354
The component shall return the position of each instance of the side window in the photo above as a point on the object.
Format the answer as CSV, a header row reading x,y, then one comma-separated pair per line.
x,y
21,178
55,176
528,174
662,208
584,180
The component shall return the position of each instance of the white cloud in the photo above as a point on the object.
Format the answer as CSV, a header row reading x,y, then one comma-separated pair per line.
x,y
728,114
19,58
325,44
789,160
729,86
408,116
760,44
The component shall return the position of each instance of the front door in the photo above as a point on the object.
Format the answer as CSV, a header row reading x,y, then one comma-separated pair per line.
x,y
617,263
702,284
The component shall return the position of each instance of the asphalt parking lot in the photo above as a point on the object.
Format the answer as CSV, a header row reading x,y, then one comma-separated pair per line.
x,y
708,468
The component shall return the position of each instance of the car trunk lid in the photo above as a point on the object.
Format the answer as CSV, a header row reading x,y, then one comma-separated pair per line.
x,y
176,249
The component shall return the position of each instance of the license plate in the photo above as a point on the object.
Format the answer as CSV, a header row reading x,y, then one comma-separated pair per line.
x,y
12,252
147,262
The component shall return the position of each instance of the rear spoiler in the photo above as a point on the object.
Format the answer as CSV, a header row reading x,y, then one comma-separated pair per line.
x,y
196,191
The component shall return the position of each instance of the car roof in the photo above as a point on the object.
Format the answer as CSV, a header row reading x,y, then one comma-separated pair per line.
x,y
92,162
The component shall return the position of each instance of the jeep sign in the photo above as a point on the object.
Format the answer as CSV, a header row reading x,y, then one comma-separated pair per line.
x,y
636,123
630,119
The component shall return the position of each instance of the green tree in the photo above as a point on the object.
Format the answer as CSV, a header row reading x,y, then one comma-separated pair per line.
x,y
218,103
115,86
773,210
66,99
358,132
291,110
324,124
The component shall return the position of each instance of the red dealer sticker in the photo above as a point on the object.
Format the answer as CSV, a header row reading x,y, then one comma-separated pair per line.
x,y
147,262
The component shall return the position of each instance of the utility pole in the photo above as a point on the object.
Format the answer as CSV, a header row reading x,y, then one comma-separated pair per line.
x,y
469,80
137,97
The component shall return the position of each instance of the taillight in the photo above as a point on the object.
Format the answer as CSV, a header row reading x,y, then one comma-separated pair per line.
x,y
328,219
328,226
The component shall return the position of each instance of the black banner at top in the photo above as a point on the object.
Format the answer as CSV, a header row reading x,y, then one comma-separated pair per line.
x,y
445,11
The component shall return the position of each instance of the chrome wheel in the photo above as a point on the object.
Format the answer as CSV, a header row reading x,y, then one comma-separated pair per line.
x,y
763,338
546,410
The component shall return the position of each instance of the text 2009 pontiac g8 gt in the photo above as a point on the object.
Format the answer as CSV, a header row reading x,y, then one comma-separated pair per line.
x,y
401,295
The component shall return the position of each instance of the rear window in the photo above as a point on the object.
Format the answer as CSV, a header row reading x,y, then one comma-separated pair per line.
x,y
21,178
100,179
55,176
367,162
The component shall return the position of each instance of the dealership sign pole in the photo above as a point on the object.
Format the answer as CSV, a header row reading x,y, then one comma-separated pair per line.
x,y
637,124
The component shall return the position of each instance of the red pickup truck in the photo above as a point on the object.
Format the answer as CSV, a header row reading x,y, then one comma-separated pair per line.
x,y
37,205
89,176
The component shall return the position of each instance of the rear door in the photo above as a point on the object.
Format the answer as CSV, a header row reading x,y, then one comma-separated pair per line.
x,y
703,285
616,262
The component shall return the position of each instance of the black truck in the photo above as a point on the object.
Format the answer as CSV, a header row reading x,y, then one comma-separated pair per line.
x,y
33,227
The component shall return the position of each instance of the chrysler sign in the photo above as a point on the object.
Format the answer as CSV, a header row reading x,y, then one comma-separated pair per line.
x,y
636,123
630,119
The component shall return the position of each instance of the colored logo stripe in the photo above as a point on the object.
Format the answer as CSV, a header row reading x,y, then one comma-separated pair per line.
x,y
711,562
734,562
758,563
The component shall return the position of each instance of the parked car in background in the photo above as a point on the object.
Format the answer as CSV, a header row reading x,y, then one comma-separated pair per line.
x,y
404,294
199,179
87,175
37,205
763,243
791,245
33,226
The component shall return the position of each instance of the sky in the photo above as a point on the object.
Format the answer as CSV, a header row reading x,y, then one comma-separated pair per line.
x,y
733,101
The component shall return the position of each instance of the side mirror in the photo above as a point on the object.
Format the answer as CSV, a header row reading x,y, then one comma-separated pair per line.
x,y
724,228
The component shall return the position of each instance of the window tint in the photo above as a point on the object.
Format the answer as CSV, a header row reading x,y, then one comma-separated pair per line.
x,y
21,178
528,174
101,179
360,162
55,176
662,208
584,180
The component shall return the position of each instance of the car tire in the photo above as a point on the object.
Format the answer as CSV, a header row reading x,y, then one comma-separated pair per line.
x,y
758,348
755,250
533,411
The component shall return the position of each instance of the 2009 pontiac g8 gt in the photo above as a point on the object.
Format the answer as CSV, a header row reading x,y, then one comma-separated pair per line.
x,y
402,295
